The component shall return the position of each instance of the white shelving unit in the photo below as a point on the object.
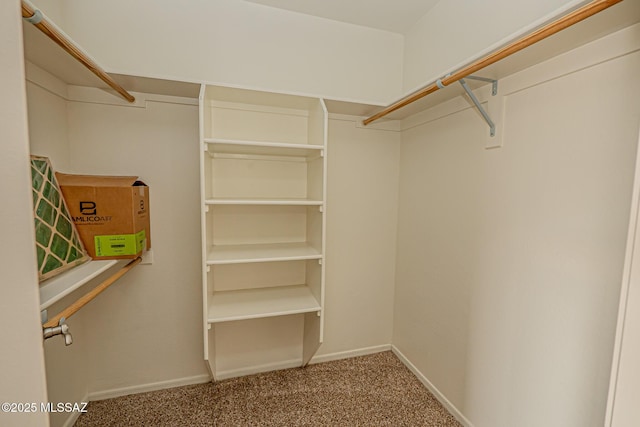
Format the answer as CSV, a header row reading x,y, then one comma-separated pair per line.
x,y
263,173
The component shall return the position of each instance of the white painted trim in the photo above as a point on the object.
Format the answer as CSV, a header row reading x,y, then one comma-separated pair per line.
x,y
43,79
251,370
349,354
143,388
387,125
170,77
294,363
73,416
425,381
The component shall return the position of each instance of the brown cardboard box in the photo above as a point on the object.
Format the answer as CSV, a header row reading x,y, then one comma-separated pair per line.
x,y
111,213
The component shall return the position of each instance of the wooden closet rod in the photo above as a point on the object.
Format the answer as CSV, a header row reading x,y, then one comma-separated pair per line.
x,y
47,28
86,298
548,30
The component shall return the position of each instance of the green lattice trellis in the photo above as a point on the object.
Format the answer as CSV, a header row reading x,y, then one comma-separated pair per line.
x,y
57,243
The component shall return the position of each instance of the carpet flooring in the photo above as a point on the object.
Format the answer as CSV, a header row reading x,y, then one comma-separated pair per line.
x,y
374,390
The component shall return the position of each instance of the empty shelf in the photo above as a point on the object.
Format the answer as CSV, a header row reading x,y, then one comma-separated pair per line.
x,y
231,146
262,201
258,303
237,254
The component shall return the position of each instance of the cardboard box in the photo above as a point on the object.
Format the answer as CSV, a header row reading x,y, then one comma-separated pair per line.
x,y
111,213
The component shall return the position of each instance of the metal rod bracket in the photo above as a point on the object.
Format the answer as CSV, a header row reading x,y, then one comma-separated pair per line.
x,y
61,329
494,83
485,115
34,19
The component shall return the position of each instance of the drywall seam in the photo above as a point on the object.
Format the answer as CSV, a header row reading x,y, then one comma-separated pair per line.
x,y
425,381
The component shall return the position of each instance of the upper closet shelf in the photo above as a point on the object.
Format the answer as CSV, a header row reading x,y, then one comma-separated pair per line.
x,y
34,16
232,146
58,287
239,254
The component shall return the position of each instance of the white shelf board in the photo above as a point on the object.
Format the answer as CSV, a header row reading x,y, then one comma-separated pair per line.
x,y
278,202
58,287
258,303
232,146
238,254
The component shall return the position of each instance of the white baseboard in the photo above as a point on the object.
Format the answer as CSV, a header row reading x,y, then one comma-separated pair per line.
x,y
350,353
250,370
423,379
294,363
232,373
73,416
143,388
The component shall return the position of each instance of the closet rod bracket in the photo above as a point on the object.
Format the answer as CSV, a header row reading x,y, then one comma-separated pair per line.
x,y
34,19
61,329
494,83
483,112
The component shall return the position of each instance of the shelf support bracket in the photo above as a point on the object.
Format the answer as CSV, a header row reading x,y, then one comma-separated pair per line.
x,y
494,92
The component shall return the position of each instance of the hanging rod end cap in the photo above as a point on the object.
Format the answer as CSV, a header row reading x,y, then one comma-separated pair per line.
x,y
34,19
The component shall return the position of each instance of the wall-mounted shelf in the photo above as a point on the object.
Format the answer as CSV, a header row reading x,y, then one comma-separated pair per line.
x,y
258,303
58,287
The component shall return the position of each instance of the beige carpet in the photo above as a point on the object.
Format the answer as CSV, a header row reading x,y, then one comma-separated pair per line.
x,y
375,390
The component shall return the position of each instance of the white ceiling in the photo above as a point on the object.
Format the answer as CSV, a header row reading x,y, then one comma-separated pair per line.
x,y
390,15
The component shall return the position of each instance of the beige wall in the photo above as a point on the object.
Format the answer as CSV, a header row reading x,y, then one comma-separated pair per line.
x,y
455,32
145,331
238,43
362,198
510,260
21,358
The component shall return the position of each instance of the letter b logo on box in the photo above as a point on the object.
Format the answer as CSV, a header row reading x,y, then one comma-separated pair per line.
x,y
88,208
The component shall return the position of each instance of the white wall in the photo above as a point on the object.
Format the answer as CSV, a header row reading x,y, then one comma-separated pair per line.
x,y
455,32
363,173
239,43
21,358
510,260
145,328
145,331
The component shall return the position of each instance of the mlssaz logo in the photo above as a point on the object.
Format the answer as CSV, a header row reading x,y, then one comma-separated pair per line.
x,y
88,208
